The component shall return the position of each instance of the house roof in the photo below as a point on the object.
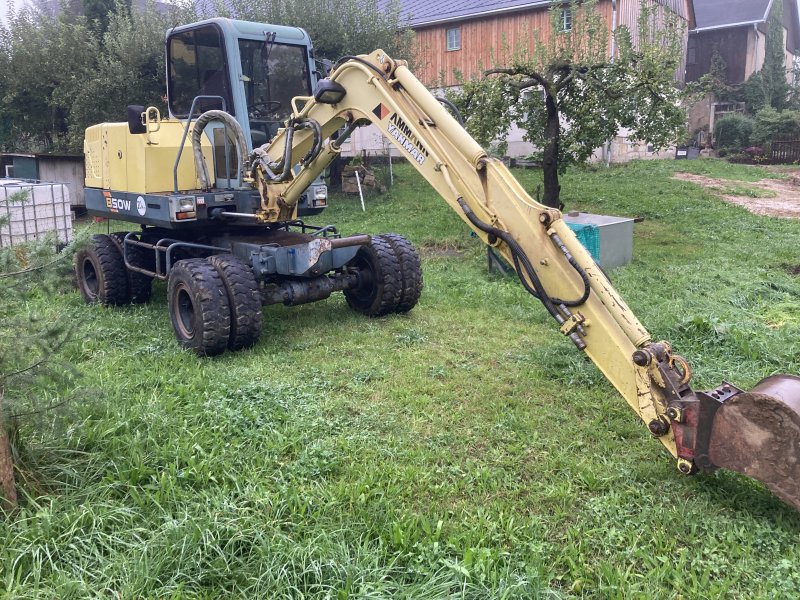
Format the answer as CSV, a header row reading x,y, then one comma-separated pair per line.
x,y
426,12
720,14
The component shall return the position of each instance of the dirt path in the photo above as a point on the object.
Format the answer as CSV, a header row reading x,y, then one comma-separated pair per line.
x,y
770,197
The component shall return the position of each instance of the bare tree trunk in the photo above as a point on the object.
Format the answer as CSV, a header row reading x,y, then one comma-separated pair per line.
x,y
552,134
8,486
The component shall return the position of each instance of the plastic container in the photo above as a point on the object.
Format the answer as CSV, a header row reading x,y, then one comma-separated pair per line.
x,y
46,208
611,237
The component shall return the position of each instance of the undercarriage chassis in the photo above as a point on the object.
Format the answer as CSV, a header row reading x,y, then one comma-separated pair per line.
x,y
217,281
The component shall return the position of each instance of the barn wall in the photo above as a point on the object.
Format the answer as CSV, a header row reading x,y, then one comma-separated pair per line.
x,y
481,40
66,171
734,46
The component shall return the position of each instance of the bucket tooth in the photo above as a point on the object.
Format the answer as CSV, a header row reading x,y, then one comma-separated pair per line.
x,y
757,433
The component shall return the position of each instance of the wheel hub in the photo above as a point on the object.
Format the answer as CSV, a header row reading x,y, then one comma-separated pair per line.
x,y
90,282
186,312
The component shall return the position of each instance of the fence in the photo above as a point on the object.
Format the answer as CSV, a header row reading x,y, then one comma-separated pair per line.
x,y
785,152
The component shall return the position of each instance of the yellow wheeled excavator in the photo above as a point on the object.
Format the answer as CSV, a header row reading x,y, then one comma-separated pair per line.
x,y
227,238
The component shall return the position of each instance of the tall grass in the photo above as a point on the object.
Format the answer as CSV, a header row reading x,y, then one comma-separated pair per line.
x,y
464,450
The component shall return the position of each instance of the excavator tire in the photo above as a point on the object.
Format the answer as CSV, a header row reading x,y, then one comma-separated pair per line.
x,y
100,272
140,285
410,271
244,300
380,291
198,307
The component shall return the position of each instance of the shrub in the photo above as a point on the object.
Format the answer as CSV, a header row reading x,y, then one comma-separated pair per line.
x,y
771,125
733,132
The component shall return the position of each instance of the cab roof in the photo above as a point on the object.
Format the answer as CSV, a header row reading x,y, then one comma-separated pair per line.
x,y
236,28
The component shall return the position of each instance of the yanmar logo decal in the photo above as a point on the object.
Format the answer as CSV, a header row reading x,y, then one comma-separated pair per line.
x,y
401,132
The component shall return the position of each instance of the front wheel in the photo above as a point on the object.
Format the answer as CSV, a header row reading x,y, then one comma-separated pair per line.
x,y
410,271
100,272
390,278
198,307
140,285
244,299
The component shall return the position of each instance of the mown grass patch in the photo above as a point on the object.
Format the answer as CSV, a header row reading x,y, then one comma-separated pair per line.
x,y
464,450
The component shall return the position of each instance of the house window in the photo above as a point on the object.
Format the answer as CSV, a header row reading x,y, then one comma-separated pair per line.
x,y
454,38
566,19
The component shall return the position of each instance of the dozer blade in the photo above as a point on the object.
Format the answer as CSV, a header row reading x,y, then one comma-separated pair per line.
x,y
757,433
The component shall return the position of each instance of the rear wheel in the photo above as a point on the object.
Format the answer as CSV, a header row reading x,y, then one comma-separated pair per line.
x,y
380,287
244,300
100,272
198,306
139,284
410,271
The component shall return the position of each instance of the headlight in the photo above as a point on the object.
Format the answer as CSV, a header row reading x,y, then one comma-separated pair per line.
x,y
321,193
186,204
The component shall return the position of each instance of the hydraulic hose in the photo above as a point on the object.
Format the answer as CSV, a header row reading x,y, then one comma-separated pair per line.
x,y
284,165
197,132
358,59
316,147
453,109
523,264
521,259
519,256
578,269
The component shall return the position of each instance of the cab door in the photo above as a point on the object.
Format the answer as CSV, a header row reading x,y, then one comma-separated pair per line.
x,y
198,79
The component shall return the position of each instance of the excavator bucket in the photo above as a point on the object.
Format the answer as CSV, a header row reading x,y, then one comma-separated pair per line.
x,y
757,433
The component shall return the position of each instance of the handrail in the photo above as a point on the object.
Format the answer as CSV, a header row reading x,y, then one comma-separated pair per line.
x,y
186,133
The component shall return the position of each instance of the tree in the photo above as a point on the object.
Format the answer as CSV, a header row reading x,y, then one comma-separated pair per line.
x,y
29,344
130,71
60,74
769,87
99,12
337,27
570,97
42,61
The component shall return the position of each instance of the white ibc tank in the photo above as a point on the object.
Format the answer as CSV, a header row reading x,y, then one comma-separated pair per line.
x,y
45,208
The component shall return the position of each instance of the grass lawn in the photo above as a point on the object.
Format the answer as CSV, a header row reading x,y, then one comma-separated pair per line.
x,y
464,450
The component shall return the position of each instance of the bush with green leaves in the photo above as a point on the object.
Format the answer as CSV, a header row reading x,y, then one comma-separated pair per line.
x,y
772,125
732,132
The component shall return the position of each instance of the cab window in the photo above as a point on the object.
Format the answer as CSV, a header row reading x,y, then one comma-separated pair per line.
x,y
197,67
272,74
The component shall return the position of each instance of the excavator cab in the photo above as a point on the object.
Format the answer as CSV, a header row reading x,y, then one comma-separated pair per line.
x,y
250,70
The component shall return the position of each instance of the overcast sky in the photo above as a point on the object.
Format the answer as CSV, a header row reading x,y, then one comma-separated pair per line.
x,y
5,5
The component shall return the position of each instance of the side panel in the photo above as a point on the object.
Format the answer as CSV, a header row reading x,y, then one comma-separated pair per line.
x,y
142,163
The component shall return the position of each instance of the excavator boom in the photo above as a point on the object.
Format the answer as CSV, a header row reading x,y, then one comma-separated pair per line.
x,y
756,433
